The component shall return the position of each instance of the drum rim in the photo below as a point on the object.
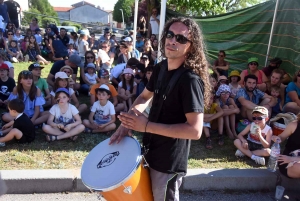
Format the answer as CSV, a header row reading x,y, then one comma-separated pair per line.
x,y
137,165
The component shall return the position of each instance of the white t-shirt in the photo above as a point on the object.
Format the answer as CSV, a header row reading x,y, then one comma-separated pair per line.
x,y
128,86
92,79
67,117
154,25
71,92
117,70
103,113
2,25
103,56
75,43
253,137
81,49
18,38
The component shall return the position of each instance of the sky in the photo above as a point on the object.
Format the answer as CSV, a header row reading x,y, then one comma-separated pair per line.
x,y
107,4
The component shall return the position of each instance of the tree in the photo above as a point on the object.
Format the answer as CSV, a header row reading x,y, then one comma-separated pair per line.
x,y
210,7
125,5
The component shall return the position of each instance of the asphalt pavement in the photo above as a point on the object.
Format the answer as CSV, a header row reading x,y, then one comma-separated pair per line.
x,y
184,196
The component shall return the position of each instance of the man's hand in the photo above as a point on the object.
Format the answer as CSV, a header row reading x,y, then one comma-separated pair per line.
x,y
120,133
136,121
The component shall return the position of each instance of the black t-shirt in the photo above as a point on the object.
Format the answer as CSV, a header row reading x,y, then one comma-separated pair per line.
x,y
171,154
65,39
6,88
58,65
25,125
12,9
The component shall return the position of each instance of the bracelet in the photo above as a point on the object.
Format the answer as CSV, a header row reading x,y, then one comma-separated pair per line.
x,y
146,126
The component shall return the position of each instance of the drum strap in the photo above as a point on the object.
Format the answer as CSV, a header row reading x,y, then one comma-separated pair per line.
x,y
162,96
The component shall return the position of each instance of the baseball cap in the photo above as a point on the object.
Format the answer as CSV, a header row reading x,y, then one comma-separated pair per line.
x,y
144,56
261,110
253,59
104,87
141,67
84,32
37,29
61,75
128,71
75,59
35,65
222,77
4,66
62,90
103,73
133,62
127,39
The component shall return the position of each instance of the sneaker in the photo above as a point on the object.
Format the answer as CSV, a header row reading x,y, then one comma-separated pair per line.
x,y
260,160
2,144
238,153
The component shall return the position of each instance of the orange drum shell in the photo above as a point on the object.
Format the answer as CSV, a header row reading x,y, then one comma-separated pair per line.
x,y
140,187
277,130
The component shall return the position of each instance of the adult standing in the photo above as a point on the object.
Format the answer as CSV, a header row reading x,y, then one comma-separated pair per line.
x,y
181,116
275,64
33,25
4,13
105,57
221,65
142,26
13,9
74,61
154,23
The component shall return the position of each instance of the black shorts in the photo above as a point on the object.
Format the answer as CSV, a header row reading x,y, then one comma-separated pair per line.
x,y
24,139
253,146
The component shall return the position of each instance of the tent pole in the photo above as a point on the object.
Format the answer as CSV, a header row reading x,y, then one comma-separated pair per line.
x,y
272,30
135,22
161,25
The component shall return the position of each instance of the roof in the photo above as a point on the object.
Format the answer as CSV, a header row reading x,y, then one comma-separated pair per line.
x,y
82,3
108,11
62,9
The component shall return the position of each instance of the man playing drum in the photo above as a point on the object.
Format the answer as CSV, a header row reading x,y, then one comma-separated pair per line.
x,y
176,115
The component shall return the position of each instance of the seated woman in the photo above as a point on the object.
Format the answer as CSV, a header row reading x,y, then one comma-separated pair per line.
x,y
292,100
253,69
289,161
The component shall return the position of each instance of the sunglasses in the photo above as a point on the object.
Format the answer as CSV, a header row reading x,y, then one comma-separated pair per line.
x,y
225,93
26,72
257,118
9,34
67,72
179,38
89,57
253,63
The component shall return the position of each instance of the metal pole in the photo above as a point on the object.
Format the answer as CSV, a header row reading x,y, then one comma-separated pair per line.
x,y
272,30
135,22
161,25
122,18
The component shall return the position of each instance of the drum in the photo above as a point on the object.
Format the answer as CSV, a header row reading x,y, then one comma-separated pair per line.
x,y
278,128
117,171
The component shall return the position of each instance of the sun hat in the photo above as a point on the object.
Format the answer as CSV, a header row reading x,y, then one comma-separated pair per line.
x,y
234,73
223,88
103,87
75,59
253,59
68,68
66,91
127,39
61,75
35,65
4,66
103,73
261,110
222,77
85,32
90,65
128,71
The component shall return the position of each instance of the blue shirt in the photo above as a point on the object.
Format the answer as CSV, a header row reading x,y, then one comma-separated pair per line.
x,y
257,95
291,87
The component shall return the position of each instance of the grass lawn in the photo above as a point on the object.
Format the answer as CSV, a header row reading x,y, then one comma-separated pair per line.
x,y
66,154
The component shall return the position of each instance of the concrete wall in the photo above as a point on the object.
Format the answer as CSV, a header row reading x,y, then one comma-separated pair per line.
x,y
63,16
89,13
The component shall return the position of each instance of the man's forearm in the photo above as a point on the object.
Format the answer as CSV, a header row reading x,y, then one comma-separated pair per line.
x,y
249,105
140,104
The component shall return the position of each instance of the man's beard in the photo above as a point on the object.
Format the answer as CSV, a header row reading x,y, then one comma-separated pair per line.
x,y
250,90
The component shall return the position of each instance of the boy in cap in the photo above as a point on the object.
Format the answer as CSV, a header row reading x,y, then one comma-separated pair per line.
x,y
102,117
103,78
259,134
7,84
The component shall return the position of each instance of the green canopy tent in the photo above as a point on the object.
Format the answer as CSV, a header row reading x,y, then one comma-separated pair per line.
x,y
246,33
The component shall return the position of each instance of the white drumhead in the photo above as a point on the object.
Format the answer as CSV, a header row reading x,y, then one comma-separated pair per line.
x,y
107,166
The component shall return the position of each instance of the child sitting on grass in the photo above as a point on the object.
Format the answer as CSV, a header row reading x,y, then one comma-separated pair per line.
x,y
7,84
258,142
214,112
275,92
103,111
64,120
21,128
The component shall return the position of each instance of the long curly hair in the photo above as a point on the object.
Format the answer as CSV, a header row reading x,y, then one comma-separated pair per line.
x,y
196,58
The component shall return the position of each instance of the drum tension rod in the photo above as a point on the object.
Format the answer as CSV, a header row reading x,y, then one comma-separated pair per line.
x,y
127,189
145,165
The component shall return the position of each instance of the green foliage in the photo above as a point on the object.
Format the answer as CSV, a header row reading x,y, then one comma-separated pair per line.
x,y
127,11
210,7
41,7
68,23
